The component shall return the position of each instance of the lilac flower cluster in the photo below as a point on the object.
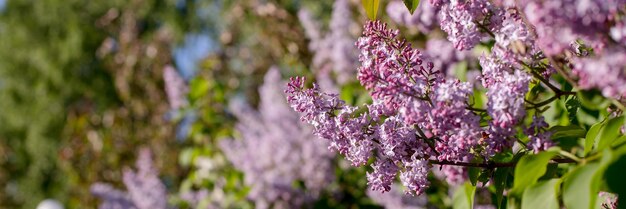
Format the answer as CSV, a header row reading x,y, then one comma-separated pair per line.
x,y
467,22
416,115
145,189
274,151
539,137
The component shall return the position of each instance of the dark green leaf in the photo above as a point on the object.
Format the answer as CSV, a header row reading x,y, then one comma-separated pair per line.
x,y
614,177
572,105
543,194
530,168
473,173
464,197
499,181
593,100
485,176
371,8
567,131
411,5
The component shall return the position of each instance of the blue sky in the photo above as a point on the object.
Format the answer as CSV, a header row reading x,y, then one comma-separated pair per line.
x,y
194,48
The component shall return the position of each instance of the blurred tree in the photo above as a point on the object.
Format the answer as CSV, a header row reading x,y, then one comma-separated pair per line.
x,y
48,64
81,86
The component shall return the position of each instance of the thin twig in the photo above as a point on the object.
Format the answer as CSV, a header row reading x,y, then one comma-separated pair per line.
x,y
475,109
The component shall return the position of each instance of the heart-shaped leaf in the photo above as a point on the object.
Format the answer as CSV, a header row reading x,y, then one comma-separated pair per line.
x,y
411,5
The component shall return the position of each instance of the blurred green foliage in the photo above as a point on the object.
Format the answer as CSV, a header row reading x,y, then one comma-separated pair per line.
x,y
80,88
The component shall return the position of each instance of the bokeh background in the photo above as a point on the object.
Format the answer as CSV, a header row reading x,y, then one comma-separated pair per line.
x,y
85,86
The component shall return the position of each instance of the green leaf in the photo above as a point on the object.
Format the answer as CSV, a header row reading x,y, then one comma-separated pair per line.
x,y
512,203
347,94
593,100
464,197
530,168
499,181
614,176
198,88
618,141
485,176
567,131
580,188
371,8
473,173
609,133
591,136
411,5
542,195
186,156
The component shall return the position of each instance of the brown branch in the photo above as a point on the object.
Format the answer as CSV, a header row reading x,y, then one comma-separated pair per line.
x,y
494,164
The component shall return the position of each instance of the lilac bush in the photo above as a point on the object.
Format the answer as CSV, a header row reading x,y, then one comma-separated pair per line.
x,y
274,151
144,188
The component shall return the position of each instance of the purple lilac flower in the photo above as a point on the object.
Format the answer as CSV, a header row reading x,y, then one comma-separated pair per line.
x,y
144,186
454,175
195,197
560,22
513,29
444,56
465,21
111,197
424,18
605,72
458,129
618,32
335,49
506,98
175,87
145,189
609,200
396,199
414,177
506,90
382,177
274,151
539,137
